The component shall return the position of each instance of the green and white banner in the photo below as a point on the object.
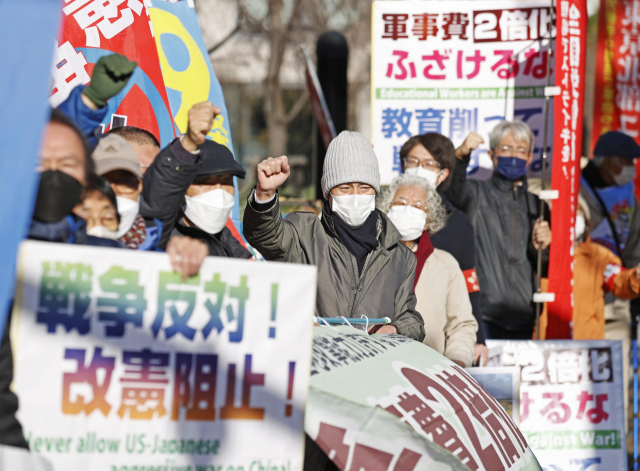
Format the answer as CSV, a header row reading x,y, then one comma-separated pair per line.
x,y
120,365
387,403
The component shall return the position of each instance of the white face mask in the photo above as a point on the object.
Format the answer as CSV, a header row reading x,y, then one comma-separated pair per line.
x,y
580,226
102,232
626,176
429,175
209,211
408,220
128,210
353,209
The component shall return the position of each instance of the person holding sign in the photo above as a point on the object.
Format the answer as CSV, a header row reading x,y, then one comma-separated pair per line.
x,y
508,229
363,269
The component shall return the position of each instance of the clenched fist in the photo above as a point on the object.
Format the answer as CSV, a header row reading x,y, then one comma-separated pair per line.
x,y
201,117
272,173
471,143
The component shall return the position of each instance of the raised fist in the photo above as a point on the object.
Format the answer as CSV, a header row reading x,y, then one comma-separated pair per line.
x,y
272,173
110,75
201,117
471,143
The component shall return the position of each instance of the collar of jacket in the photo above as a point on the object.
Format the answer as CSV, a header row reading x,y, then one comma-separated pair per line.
x,y
445,202
506,186
592,175
70,229
388,235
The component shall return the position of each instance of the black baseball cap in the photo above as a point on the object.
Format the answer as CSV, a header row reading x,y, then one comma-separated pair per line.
x,y
217,159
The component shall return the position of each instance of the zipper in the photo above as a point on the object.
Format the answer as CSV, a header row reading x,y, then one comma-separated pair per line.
x,y
511,262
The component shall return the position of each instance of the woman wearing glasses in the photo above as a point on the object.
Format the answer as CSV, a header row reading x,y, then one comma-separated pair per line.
x,y
415,208
508,229
433,157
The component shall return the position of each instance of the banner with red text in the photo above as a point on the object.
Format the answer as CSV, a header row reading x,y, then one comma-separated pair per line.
x,y
90,30
454,67
571,402
570,55
617,107
388,403
121,365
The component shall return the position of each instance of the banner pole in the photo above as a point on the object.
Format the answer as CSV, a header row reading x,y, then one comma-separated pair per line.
x,y
543,183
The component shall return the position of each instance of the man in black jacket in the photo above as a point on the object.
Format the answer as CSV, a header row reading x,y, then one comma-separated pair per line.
x,y
189,187
508,229
432,157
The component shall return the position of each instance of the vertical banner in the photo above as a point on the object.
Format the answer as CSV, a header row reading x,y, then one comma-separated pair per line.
x,y
91,30
455,67
120,365
570,54
571,402
27,30
617,107
188,74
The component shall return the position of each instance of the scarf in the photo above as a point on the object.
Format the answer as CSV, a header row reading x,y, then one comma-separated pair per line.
x,y
425,249
359,241
136,234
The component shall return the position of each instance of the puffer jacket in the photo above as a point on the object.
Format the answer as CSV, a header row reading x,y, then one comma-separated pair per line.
x,y
385,287
503,216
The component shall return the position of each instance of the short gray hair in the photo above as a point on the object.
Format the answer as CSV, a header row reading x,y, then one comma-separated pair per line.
x,y
436,215
520,130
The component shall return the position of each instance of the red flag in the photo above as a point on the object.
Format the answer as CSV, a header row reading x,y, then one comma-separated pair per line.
x,y
90,30
570,49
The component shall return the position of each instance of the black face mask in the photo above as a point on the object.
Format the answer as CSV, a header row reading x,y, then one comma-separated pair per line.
x,y
58,194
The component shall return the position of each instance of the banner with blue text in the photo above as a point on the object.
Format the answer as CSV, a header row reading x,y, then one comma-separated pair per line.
x,y
121,365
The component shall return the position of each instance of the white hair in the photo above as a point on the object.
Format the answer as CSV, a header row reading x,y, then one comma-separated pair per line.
x,y
520,131
436,213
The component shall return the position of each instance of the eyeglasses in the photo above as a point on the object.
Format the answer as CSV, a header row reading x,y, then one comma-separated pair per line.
x,y
421,205
508,151
412,162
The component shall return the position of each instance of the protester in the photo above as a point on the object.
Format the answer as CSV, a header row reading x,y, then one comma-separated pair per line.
x,y
98,208
189,187
597,269
362,267
508,229
432,157
145,144
208,202
415,208
117,163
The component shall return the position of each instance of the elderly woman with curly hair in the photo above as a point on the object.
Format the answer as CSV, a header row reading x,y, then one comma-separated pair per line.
x,y
416,209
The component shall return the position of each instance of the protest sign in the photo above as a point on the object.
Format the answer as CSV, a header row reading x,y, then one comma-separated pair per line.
x,y
91,30
570,53
188,74
455,67
571,401
121,365
386,402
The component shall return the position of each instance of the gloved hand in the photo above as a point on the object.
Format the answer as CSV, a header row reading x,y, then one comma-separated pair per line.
x,y
110,76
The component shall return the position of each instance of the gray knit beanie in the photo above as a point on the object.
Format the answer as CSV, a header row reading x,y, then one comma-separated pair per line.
x,y
350,158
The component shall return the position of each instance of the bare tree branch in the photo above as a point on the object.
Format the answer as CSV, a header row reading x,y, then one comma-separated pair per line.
x,y
297,107
226,38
